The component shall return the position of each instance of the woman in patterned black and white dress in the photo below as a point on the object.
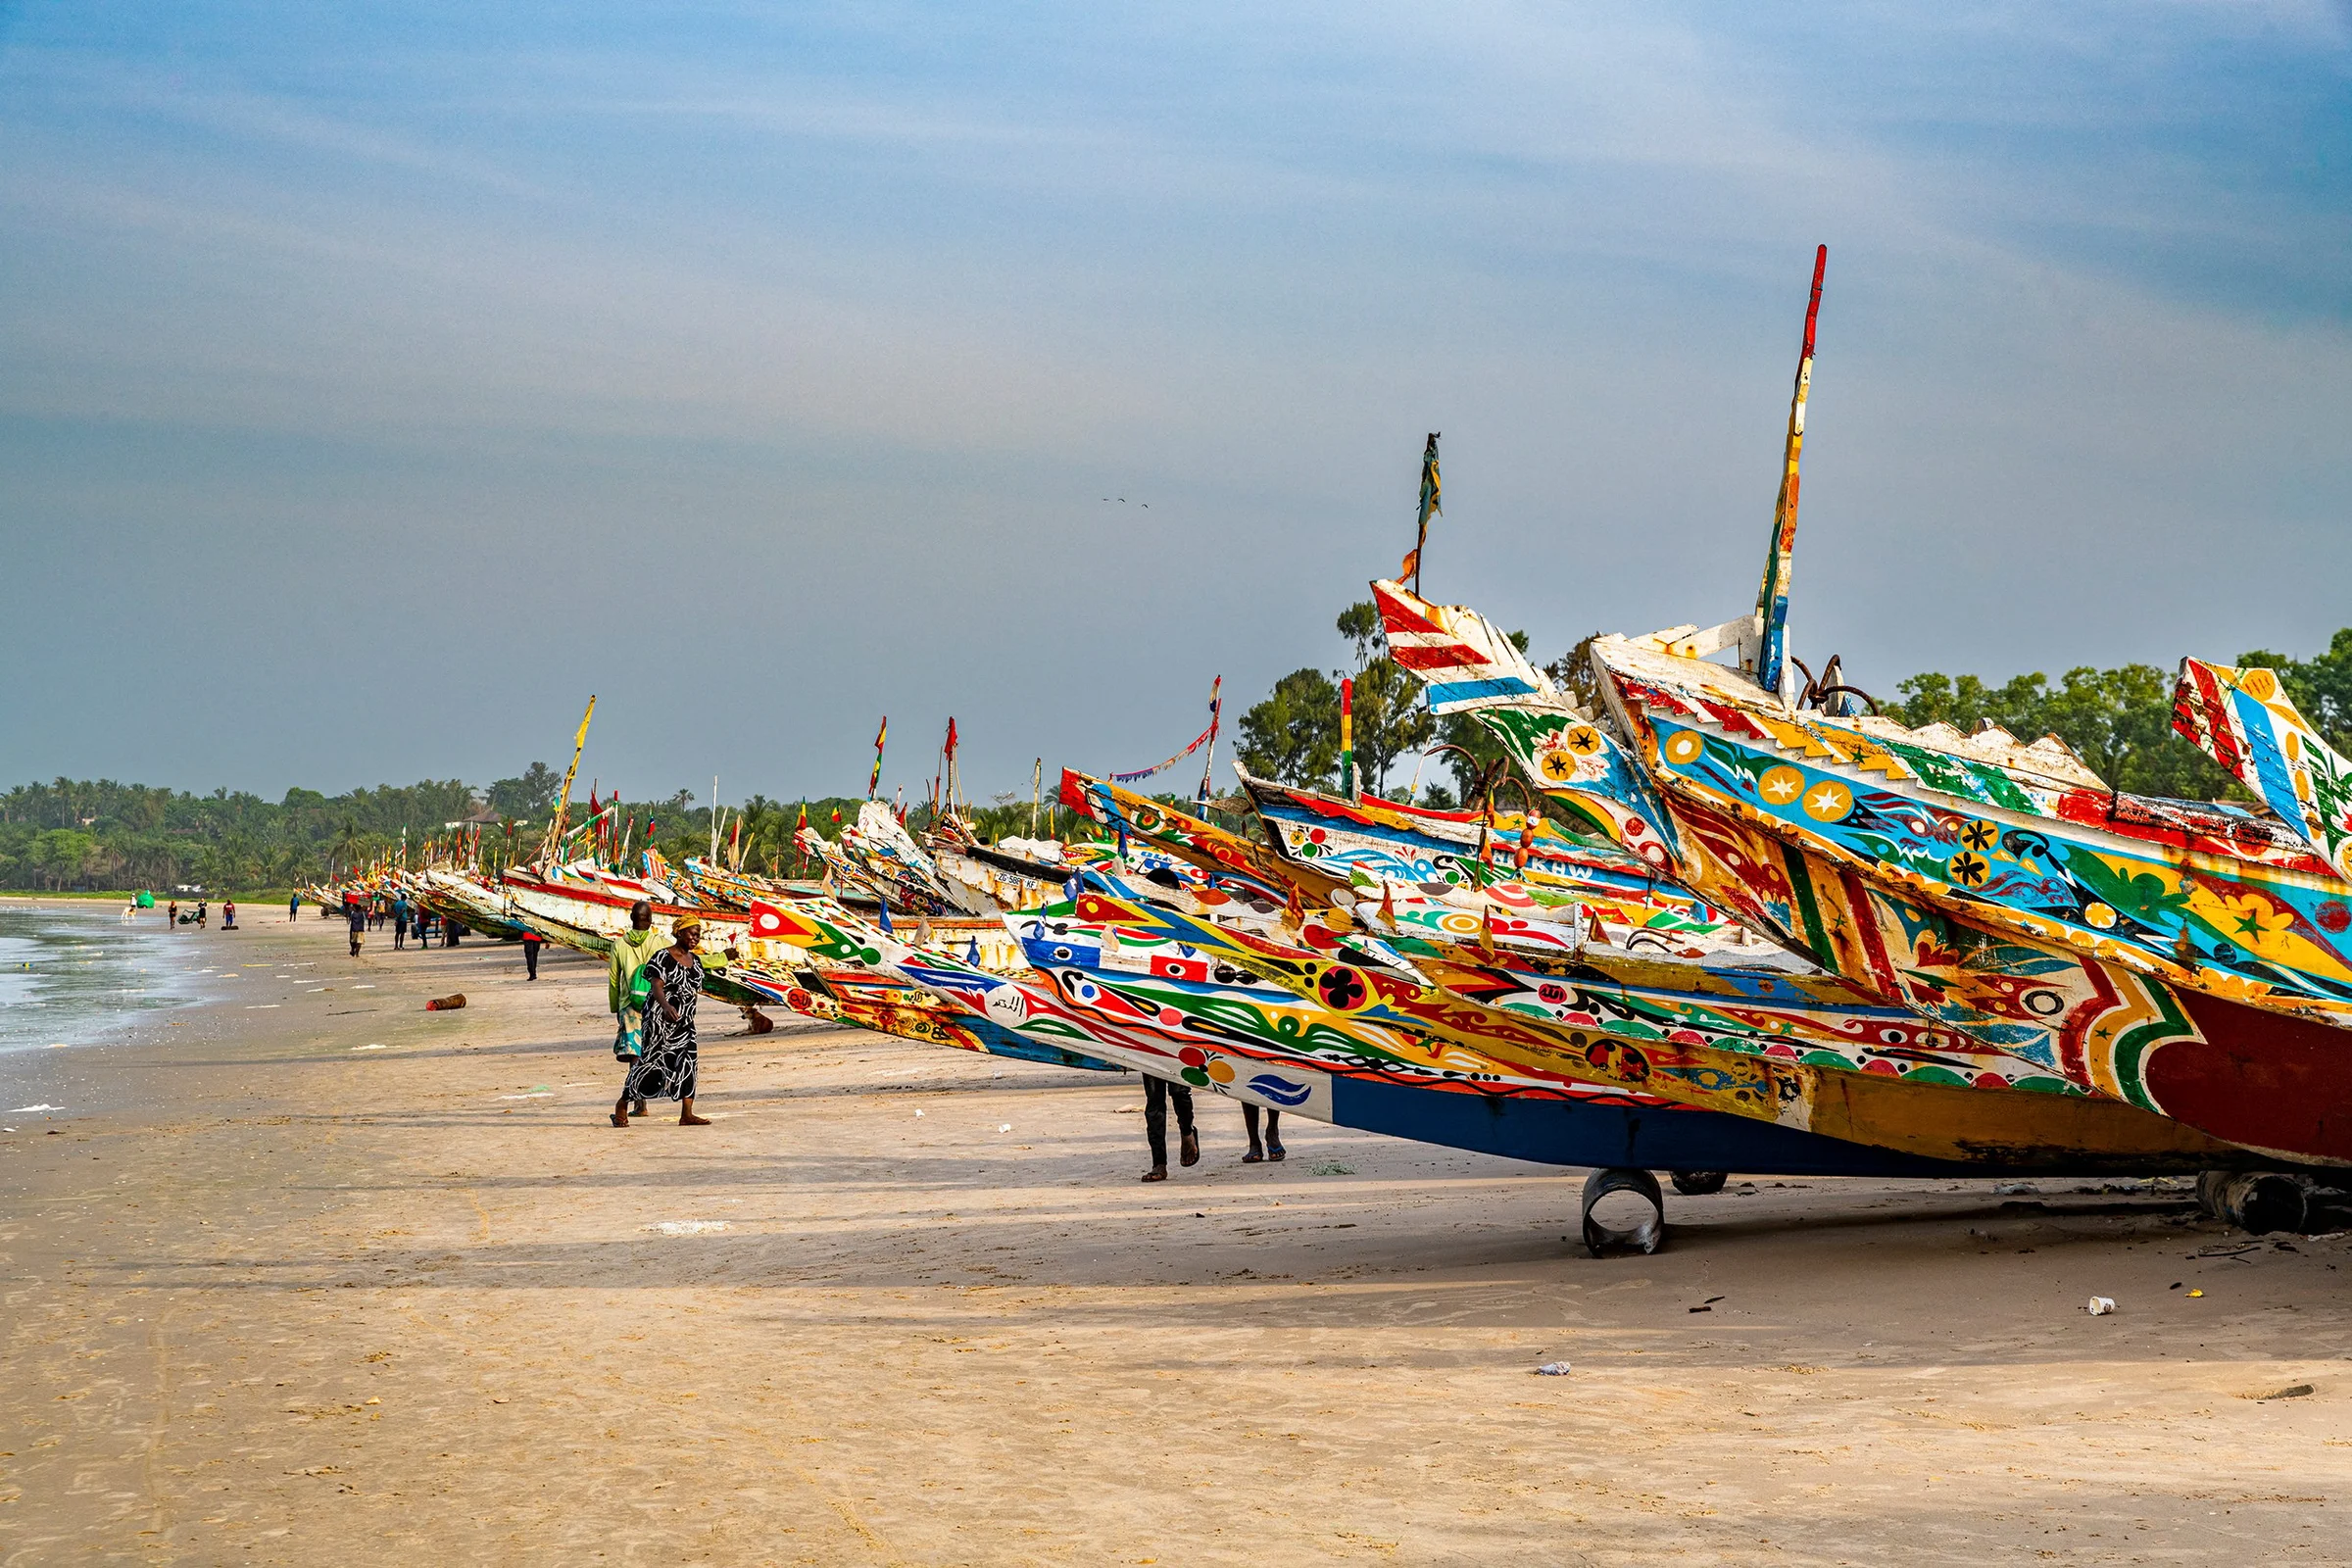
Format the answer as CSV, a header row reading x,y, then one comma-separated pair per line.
x,y
665,1068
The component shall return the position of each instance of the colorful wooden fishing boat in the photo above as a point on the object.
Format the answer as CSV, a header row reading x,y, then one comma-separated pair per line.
x,y
2182,957
1353,973
1154,1007
1493,868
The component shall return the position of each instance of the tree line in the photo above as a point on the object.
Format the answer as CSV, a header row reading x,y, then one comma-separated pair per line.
x,y
80,834
72,834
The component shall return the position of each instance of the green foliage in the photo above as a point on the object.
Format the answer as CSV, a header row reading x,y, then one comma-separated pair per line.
x,y
2119,721
77,833
1293,735
530,797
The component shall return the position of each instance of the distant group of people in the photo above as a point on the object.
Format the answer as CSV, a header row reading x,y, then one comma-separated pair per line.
x,y
369,913
198,916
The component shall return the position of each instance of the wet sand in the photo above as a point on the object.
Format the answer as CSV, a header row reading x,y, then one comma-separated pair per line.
x,y
291,1300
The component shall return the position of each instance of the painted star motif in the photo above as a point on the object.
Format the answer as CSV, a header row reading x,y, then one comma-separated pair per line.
x,y
1829,800
1781,789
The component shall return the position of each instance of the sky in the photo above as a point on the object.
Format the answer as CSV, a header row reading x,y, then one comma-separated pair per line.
x,y
377,383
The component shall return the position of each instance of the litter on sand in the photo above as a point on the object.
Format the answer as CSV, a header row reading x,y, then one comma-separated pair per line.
x,y
2102,1305
688,1227
1553,1369
366,1047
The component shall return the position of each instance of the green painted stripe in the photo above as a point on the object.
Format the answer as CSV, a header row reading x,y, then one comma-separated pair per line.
x,y
1800,884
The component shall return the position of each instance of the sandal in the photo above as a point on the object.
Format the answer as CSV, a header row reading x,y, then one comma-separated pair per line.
x,y
1192,1150
1276,1151
619,1120
1253,1157
1157,1173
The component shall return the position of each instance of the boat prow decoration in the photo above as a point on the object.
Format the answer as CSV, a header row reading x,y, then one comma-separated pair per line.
x,y
2244,720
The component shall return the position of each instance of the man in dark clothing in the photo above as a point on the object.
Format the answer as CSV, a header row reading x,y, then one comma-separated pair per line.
x,y
356,913
531,953
1158,1092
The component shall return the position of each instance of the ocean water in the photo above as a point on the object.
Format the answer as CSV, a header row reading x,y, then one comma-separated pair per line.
x,y
72,976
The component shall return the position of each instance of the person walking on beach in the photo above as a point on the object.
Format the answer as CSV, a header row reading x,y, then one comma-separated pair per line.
x,y
1273,1147
628,954
1158,1092
200,904
531,941
400,924
666,1069
228,915
293,907
356,913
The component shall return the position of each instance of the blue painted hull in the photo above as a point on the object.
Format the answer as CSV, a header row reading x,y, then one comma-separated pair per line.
x,y
1557,1132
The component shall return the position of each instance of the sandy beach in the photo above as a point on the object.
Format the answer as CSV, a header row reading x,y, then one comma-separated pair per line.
x,y
322,1277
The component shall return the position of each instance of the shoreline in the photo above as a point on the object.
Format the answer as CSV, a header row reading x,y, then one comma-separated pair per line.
x,y
295,1299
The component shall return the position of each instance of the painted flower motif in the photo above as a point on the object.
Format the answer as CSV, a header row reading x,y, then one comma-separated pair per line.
x,y
1981,836
1969,869
1340,988
2101,915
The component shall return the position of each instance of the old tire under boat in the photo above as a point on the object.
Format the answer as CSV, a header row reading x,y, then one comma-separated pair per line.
x,y
1646,1232
2255,1201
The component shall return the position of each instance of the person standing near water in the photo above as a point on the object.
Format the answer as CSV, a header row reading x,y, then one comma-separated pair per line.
x,y
228,915
200,904
666,1069
172,915
293,907
629,954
